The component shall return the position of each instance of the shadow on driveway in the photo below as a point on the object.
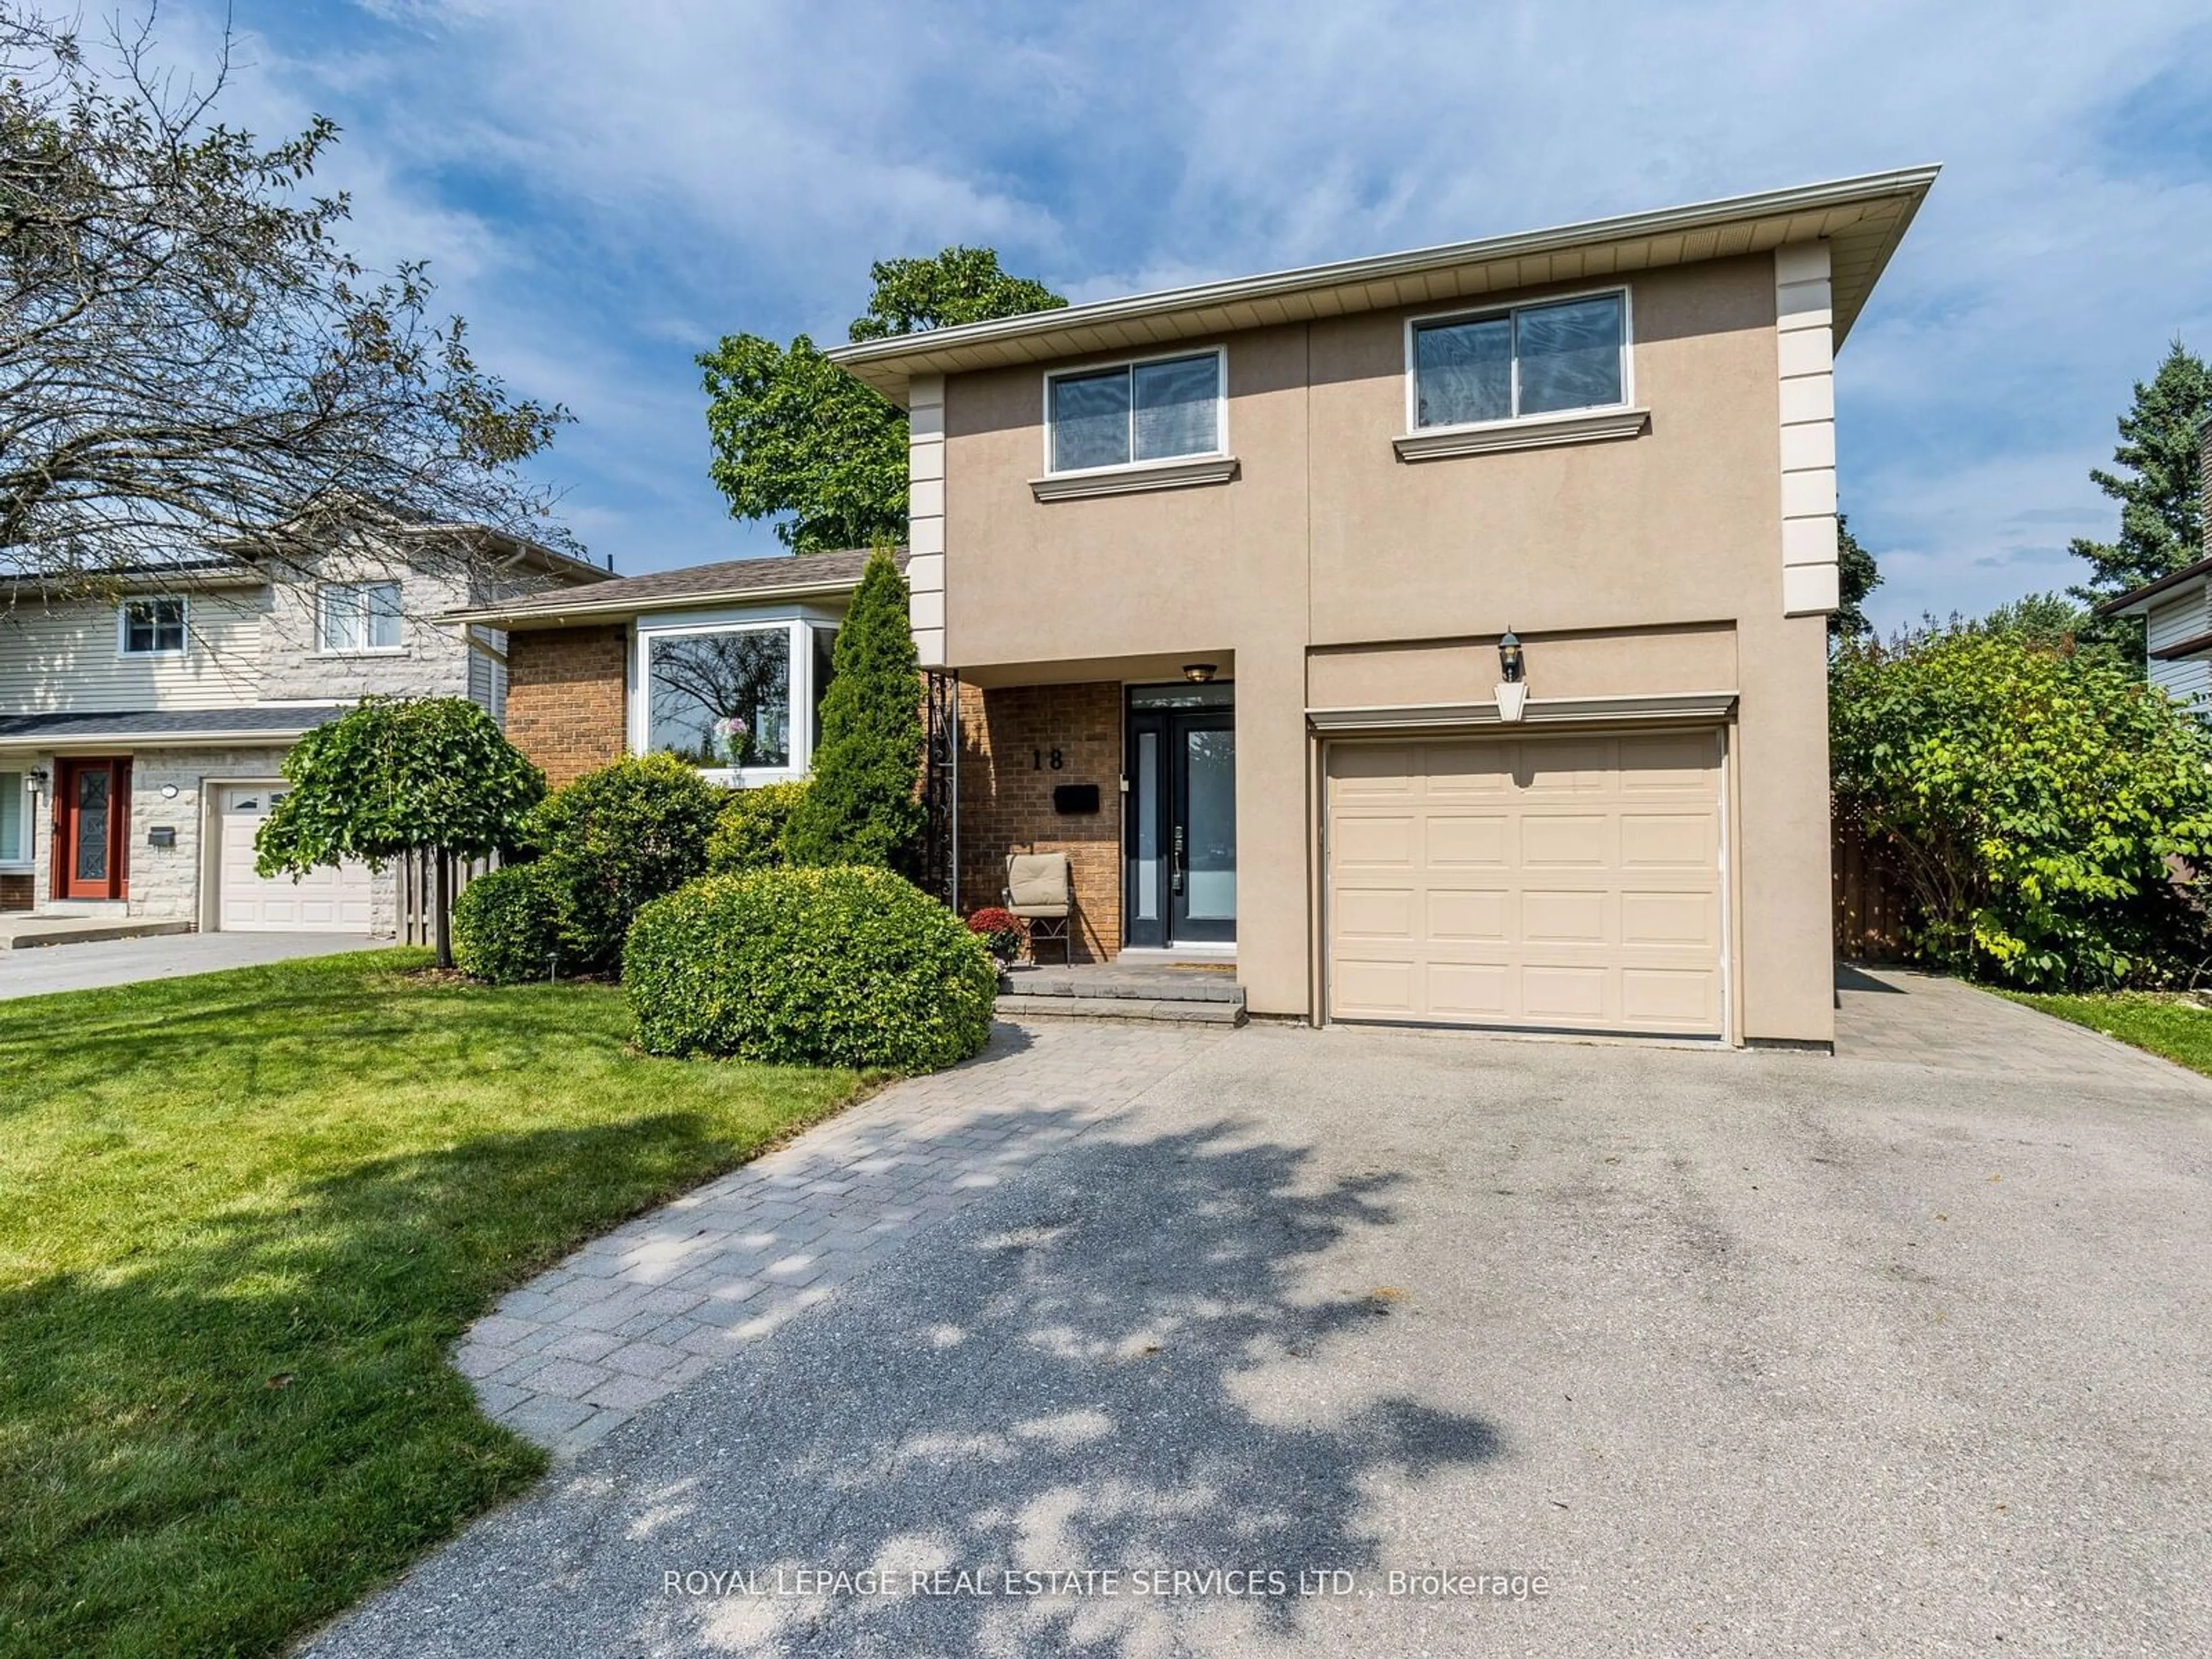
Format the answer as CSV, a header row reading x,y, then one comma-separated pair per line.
x,y
1050,1383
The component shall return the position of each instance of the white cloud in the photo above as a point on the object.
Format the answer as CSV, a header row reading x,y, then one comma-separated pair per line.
x,y
606,188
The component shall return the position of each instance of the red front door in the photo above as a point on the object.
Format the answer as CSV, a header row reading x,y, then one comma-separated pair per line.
x,y
92,829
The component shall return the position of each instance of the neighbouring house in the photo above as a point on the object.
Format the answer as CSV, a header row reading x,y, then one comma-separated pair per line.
x,y
1226,576
724,664
142,733
2177,610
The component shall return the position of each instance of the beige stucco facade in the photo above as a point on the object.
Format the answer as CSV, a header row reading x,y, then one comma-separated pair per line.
x,y
1674,560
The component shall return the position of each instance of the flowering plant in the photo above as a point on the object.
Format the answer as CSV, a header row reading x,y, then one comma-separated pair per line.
x,y
1001,929
732,732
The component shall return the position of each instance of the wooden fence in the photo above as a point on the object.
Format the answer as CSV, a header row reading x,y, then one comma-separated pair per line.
x,y
418,892
1872,903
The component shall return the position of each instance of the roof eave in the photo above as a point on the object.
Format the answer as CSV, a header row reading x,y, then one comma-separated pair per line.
x,y
1793,215
2137,600
519,616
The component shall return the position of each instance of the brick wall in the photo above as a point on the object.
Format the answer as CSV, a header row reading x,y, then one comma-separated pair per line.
x,y
15,892
566,706
1005,797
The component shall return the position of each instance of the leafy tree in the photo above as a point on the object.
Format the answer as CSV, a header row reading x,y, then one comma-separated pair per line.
x,y
2034,795
1855,578
396,775
2161,502
797,438
618,838
188,358
862,805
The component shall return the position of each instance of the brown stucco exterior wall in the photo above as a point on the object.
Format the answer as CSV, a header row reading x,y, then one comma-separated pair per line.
x,y
567,698
1007,737
1332,573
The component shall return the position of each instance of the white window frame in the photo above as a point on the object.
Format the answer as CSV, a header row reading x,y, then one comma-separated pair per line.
x,y
798,628
26,858
1475,314
122,625
323,592
1221,450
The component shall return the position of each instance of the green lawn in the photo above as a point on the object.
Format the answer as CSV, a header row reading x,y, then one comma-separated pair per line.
x,y
2169,1025
241,1219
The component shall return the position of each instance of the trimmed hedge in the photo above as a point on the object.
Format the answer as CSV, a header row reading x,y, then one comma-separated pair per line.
x,y
618,838
749,835
506,925
844,966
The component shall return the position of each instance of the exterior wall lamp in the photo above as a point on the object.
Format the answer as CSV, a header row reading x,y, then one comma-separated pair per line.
x,y
1198,673
38,777
1512,689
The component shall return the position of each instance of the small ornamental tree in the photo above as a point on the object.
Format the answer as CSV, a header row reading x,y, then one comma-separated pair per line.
x,y
2041,800
862,806
397,775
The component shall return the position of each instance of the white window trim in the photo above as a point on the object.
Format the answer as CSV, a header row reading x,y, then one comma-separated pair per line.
x,y
1625,402
1220,452
123,626
798,639
26,823
325,649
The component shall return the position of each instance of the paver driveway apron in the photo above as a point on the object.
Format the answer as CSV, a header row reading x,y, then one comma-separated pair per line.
x,y
1748,1354
576,1353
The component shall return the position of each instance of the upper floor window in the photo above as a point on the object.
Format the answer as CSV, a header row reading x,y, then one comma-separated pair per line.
x,y
1160,410
1531,360
153,628
358,617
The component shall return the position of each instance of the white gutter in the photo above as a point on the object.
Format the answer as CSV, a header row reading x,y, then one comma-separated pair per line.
x,y
522,615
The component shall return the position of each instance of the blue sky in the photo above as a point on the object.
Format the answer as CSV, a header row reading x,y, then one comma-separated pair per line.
x,y
602,189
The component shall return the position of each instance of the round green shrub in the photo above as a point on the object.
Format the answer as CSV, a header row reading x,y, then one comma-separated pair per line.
x,y
506,925
845,966
749,835
618,838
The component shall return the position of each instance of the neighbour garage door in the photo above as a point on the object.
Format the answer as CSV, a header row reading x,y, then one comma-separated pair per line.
x,y
1555,883
322,902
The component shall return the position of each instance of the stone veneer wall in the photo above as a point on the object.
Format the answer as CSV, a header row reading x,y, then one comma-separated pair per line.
x,y
568,698
1005,797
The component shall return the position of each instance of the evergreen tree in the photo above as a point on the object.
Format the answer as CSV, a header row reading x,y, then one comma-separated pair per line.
x,y
2161,501
1855,578
863,806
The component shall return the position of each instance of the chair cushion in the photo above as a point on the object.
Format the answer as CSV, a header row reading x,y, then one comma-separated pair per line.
x,y
1040,912
1038,881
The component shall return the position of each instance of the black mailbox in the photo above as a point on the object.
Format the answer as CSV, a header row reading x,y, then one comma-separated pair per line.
x,y
1070,798
162,834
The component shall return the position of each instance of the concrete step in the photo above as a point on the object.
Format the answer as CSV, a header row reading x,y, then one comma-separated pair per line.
x,y
24,932
1022,1006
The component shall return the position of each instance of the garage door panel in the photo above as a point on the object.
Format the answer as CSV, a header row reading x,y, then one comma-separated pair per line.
x,y
325,900
1467,840
1557,917
1458,916
1555,842
1565,882
1468,990
1378,913
1662,841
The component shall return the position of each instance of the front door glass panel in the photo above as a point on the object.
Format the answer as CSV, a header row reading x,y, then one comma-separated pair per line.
x,y
1210,824
1145,805
90,843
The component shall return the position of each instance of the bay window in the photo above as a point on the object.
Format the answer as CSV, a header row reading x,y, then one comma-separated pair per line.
x,y
740,701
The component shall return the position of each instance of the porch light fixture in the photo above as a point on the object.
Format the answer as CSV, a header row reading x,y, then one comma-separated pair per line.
x,y
1198,673
1512,689
37,775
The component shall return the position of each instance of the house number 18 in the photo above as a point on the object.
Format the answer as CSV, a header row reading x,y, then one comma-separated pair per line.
x,y
1038,757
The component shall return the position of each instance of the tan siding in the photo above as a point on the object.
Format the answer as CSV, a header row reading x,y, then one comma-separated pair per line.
x,y
65,656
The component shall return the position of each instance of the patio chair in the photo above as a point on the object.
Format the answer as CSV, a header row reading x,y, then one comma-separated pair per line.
x,y
1039,892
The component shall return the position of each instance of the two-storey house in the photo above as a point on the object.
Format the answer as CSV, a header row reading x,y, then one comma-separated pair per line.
x,y
142,733
1243,556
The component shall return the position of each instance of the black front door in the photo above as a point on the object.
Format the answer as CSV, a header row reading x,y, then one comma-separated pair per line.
x,y
1180,840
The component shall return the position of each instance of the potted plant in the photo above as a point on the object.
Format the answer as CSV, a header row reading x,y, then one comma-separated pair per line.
x,y
1001,930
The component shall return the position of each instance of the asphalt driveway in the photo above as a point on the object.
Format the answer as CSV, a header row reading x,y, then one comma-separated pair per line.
x,y
37,970
1740,1354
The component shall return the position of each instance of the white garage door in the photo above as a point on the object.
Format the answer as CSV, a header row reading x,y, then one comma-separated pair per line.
x,y
321,902
1554,882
